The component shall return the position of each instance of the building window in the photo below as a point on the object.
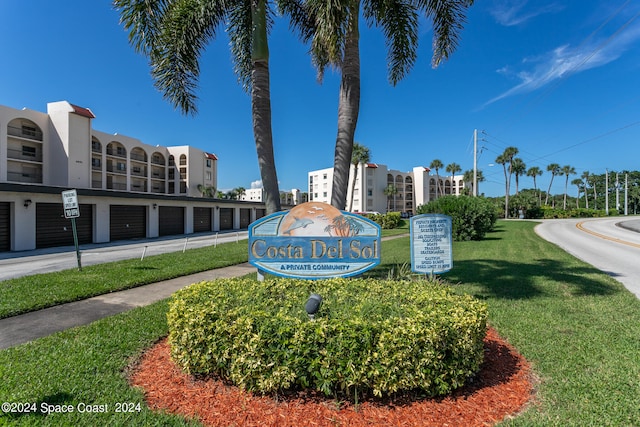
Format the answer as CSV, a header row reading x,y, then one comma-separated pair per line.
x,y
183,160
121,166
369,193
96,162
28,151
207,176
324,194
208,163
29,130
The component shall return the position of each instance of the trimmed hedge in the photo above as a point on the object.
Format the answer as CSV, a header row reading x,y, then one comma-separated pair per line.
x,y
369,336
386,221
471,217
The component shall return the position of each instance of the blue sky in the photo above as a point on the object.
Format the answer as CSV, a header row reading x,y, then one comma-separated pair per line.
x,y
559,79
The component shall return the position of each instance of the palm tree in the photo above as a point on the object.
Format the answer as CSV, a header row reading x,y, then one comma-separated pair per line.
x,y
452,168
506,158
336,41
533,172
554,168
566,171
390,190
360,154
585,177
437,165
579,184
173,35
207,190
467,177
519,169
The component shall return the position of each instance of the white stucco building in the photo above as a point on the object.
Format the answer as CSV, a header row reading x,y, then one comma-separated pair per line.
x,y
287,198
413,188
126,188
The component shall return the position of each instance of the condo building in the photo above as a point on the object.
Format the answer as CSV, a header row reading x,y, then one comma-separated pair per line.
x,y
411,189
126,188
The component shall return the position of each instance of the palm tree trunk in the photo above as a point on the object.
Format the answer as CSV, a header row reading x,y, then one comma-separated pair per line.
x,y
261,108
353,185
348,109
546,199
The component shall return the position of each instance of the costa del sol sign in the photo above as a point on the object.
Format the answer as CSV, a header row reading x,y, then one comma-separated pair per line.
x,y
314,240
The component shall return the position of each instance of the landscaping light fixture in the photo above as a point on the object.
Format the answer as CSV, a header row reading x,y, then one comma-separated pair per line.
x,y
313,305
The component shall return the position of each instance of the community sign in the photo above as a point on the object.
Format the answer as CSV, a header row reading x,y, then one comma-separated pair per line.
x,y
431,244
314,240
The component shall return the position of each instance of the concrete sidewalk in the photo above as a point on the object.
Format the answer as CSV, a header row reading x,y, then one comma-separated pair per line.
x,y
30,326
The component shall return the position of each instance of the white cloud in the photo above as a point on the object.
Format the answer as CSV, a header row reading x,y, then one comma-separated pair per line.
x,y
564,61
510,13
256,184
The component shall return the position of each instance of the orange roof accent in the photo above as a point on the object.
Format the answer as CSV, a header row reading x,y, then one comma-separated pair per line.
x,y
210,156
372,165
83,111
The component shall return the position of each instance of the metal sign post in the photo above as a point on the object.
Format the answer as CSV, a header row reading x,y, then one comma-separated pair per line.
x,y
72,211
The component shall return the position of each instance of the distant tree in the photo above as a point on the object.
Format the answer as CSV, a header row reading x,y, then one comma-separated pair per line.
x,y
506,160
533,172
437,165
519,169
554,168
360,154
579,185
390,190
566,171
207,190
453,168
468,180
585,178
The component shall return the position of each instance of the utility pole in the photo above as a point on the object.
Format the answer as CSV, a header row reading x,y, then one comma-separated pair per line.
x,y
475,162
617,193
606,192
626,194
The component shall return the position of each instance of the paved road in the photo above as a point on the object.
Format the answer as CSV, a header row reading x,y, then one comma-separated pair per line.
x,y
609,244
17,264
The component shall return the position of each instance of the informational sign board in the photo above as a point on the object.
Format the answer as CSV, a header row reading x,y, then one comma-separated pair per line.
x,y
431,244
314,240
70,204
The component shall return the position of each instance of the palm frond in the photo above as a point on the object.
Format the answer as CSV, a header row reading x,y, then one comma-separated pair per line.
x,y
142,18
449,17
398,20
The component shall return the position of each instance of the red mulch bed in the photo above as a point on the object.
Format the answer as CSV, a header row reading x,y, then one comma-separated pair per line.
x,y
502,388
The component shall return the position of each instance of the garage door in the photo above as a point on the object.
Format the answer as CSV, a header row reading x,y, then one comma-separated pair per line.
x,y
171,220
127,222
5,227
226,218
245,217
53,229
201,219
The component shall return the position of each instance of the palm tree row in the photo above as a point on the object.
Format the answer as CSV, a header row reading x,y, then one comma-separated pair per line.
x,y
173,34
515,166
452,168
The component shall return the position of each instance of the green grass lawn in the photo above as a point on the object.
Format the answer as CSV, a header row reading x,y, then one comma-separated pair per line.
x,y
579,328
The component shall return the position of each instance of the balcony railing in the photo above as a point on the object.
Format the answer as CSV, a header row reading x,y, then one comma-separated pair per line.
x,y
27,133
31,177
111,169
116,153
138,157
36,156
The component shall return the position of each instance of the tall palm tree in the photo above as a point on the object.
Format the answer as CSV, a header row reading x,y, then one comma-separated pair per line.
x,y
580,185
585,177
360,154
566,171
533,172
453,168
506,160
390,190
467,177
174,33
554,168
336,41
519,169
437,165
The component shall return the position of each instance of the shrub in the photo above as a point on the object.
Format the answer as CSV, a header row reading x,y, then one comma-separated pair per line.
x,y
471,217
370,336
386,221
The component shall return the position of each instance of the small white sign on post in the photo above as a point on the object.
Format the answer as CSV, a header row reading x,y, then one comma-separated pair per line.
x,y
431,244
70,204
